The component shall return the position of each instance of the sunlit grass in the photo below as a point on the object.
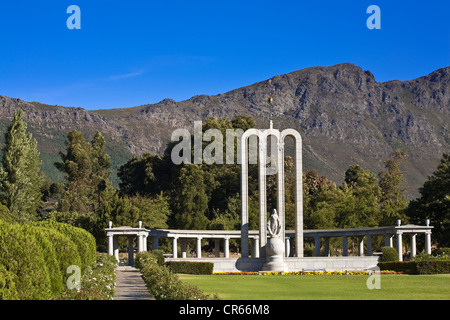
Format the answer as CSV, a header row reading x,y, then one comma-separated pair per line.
x,y
351,287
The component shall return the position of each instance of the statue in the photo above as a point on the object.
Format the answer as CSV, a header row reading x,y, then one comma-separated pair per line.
x,y
275,245
274,225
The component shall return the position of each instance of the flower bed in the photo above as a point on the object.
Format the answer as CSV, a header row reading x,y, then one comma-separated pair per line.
x,y
305,273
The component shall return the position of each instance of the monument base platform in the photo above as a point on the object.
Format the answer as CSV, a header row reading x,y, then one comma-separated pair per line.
x,y
293,264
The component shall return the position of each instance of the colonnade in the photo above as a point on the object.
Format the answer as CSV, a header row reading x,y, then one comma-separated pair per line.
x,y
222,239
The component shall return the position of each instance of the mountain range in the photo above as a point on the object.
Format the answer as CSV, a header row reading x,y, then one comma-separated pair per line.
x,y
343,114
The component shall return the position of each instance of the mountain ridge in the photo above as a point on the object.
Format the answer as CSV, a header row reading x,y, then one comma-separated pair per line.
x,y
344,115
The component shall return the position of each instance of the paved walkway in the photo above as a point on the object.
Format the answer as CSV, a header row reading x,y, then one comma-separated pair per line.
x,y
130,285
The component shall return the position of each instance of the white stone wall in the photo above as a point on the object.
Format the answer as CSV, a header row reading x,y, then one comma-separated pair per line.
x,y
294,264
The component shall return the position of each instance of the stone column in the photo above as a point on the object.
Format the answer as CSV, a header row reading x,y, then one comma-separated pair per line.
x,y
217,248
413,245
145,242
110,244
255,248
287,246
199,247
130,251
369,245
183,248
279,148
327,246
344,246
140,243
428,242
155,243
262,195
116,248
317,246
399,246
244,192
226,248
388,240
174,247
361,246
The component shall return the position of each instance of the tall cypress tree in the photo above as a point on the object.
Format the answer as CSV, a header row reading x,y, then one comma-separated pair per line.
x,y
21,178
86,167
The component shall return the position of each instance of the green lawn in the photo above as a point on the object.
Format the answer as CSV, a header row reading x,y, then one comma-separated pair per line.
x,y
254,287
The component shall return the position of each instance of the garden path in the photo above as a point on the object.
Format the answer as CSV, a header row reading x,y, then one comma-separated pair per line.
x,y
130,285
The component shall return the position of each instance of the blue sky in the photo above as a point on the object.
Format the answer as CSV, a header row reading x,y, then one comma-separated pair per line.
x,y
130,53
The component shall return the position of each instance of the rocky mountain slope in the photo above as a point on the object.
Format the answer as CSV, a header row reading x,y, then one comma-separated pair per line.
x,y
344,115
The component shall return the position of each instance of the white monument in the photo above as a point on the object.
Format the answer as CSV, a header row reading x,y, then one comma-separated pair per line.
x,y
275,245
279,138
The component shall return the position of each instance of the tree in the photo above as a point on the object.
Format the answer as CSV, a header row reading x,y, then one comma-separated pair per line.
x,y
434,203
361,194
86,167
21,178
393,201
191,201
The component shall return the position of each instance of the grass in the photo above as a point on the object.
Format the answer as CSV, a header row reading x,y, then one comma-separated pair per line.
x,y
342,287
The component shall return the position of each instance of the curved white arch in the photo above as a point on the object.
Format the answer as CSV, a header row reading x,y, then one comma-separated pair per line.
x,y
262,144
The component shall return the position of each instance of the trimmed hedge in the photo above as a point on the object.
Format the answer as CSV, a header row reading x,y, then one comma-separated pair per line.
x,y
189,267
7,288
51,260
433,266
389,254
417,267
34,259
65,250
22,256
164,284
84,241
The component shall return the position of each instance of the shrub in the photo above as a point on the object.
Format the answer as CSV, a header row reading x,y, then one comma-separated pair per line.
x,y
442,253
164,284
65,250
97,282
190,267
7,288
399,266
22,256
84,241
432,266
389,254
144,259
417,266
50,258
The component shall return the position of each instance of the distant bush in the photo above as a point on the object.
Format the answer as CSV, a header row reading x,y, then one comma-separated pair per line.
x,y
389,254
399,266
417,267
442,253
433,266
189,267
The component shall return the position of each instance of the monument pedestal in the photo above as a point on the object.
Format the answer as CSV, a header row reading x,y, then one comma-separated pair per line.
x,y
275,256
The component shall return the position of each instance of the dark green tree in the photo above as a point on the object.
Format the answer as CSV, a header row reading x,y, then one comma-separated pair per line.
x,y
86,167
190,199
393,201
21,178
434,203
